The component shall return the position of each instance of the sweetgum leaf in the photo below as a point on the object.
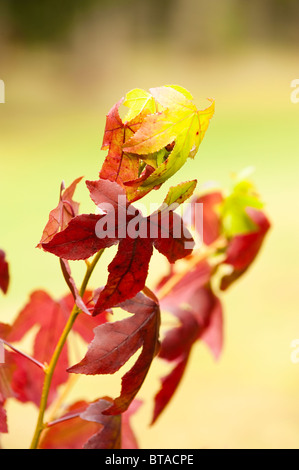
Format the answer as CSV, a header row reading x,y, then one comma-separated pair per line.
x,y
174,240
44,312
118,166
4,273
135,234
169,385
114,344
175,347
159,130
60,217
71,431
49,317
107,195
79,240
179,122
109,436
84,426
127,272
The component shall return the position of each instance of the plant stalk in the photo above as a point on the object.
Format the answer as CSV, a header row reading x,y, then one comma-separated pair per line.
x,y
49,370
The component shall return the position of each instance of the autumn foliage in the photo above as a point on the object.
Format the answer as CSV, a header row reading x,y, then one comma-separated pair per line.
x,y
161,129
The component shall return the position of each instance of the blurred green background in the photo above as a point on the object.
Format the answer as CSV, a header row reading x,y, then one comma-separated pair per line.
x,y
64,64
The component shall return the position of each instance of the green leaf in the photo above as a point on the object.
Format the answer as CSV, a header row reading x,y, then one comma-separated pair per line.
x,y
179,122
180,193
234,217
139,100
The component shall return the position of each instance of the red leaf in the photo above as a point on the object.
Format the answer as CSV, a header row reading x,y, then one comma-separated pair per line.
x,y
86,235
169,385
106,194
49,315
60,217
174,240
3,421
118,165
85,426
243,249
210,225
184,288
114,344
200,314
207,309
4,273
79,239
111,198
109,436
178,340
70,431
127,273
176,347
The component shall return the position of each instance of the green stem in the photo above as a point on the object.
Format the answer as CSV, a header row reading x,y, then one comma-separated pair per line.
x,y
49,370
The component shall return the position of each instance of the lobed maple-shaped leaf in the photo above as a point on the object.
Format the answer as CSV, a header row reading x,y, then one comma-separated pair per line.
x,y
238,220
135,234
60,217
159,132
84,426
180,123
190,296
114,344
70,431
4,272
120,166
79,241
50,316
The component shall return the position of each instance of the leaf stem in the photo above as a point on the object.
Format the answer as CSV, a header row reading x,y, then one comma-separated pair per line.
x,y
49,370
30,358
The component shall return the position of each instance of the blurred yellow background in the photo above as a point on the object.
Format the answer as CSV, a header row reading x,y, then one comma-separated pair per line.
x,y
64,66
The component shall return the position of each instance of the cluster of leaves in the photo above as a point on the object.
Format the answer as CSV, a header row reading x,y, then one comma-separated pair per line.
x,y
161,130
233,228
